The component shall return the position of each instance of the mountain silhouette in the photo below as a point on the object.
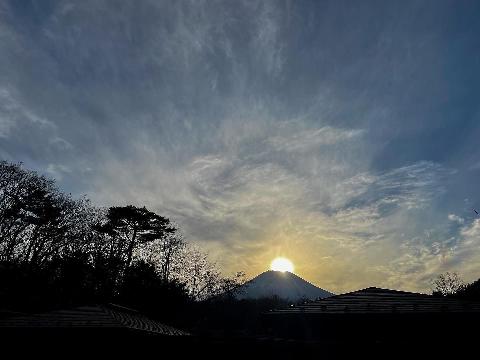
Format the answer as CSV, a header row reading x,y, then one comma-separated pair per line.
x,y
285,285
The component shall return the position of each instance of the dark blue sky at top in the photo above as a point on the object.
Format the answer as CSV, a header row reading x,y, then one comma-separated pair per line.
x,y
355,108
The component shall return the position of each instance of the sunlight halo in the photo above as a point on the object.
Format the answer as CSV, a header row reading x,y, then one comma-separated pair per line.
x,y
282,264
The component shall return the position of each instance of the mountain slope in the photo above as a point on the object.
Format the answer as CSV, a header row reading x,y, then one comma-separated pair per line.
x,y
282,284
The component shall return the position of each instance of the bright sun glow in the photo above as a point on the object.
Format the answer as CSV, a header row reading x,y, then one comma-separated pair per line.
x,y
282,264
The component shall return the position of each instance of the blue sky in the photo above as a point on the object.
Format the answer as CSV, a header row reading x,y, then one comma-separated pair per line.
x,y
341,134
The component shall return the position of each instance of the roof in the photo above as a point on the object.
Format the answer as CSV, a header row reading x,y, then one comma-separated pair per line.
x,y
97,316
381,301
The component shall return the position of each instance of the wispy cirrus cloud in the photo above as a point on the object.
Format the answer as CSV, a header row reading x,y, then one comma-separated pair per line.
x,y
456,218
340,136
249,204
13,114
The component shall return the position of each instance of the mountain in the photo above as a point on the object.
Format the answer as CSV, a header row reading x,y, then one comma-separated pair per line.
x,y
282,284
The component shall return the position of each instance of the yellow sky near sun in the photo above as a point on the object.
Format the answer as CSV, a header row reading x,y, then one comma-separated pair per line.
x,y
327,259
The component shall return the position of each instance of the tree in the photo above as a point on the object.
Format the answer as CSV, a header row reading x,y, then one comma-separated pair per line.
x,y
470,291
143,288
447,284
165,253
23,195
130,226
37,221
202,278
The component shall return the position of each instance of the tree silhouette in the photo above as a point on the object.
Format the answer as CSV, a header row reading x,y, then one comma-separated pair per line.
x,y
37,221
57,250
202,277
130,226
447,284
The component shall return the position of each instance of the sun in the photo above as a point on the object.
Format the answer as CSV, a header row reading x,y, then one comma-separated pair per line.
x,y
282,264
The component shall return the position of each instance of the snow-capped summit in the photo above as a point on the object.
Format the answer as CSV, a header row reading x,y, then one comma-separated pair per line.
x,y
285,285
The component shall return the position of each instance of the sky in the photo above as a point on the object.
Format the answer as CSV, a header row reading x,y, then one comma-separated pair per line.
x,y
343,135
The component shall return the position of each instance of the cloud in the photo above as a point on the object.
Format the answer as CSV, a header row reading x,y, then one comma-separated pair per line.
x,y
58,171
456,218
308,139
248,204
324,133
475,166
60,143
13,114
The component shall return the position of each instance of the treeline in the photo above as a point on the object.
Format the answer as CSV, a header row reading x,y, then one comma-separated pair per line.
x,y
452,285
57,250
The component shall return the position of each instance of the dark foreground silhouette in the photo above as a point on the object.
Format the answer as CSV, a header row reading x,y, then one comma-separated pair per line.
x,y
371,322
63,262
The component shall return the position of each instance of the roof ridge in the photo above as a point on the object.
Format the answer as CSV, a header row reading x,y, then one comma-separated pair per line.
x,y
335,296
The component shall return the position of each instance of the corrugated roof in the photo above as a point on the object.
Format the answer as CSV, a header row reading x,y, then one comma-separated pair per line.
x,y
375,300
97,316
